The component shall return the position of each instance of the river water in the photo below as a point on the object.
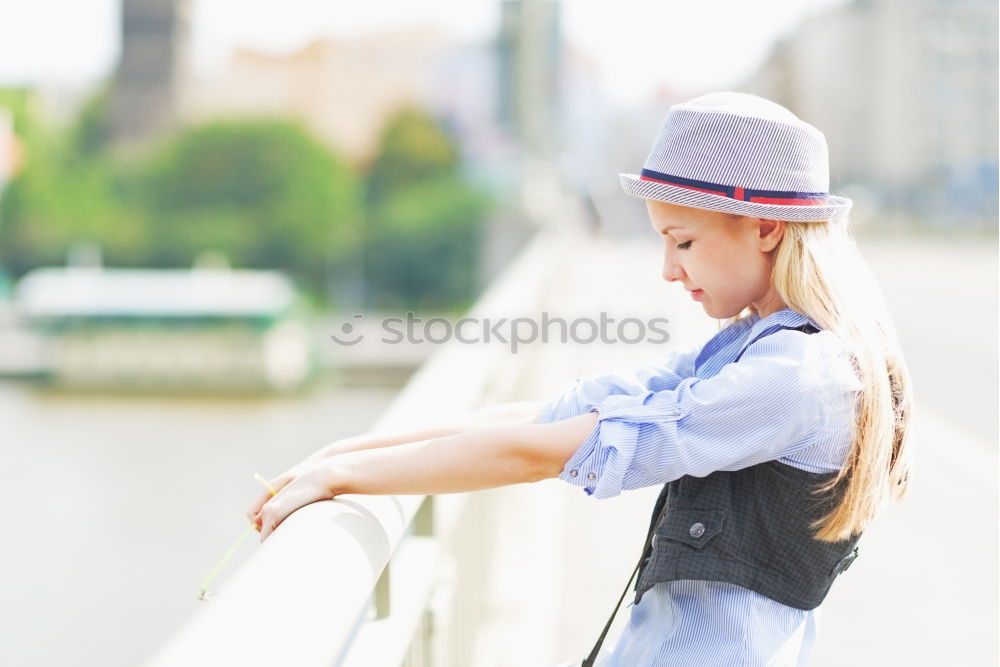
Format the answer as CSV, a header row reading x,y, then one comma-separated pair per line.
x,y
117,507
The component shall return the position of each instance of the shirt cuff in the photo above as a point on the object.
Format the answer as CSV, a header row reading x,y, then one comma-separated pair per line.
x,y
603,459
600,467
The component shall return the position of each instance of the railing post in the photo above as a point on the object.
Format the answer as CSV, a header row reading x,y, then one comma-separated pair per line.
x,y
382,606
423,522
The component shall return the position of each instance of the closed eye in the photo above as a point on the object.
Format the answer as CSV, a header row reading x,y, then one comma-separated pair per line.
x,y
684,246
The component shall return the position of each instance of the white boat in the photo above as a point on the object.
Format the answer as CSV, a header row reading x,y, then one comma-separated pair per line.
x,y
184,329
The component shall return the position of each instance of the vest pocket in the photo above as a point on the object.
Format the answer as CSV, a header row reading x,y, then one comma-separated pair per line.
x,y
691,526
844,562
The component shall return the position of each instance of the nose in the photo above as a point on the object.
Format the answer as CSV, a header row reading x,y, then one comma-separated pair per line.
x,y
672,270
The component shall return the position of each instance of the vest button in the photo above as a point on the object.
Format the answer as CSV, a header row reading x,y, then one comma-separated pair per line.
x,y
697,530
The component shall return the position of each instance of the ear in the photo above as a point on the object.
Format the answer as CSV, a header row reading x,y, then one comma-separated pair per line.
x,y
769,233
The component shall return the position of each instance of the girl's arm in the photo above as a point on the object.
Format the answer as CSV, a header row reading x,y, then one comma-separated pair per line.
x,y
525,412
505,413
479,458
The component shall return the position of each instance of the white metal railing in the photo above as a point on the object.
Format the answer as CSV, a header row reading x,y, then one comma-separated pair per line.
x,y
371,580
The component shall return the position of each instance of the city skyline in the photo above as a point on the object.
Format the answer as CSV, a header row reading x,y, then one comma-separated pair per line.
x,y
649,47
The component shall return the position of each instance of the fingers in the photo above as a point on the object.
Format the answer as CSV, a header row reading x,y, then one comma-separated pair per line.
x,y
305,490
257,505
268,511
277,485
272,515
267,528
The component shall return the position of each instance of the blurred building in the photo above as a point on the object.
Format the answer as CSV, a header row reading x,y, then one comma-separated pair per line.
x,y
529,55
343,90
906,93
151,71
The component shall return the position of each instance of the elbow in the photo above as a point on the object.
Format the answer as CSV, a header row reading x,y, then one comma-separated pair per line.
x,y
532,465
544,449
537,468
531,460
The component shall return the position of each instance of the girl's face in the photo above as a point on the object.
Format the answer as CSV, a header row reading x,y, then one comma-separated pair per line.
x,y
722,259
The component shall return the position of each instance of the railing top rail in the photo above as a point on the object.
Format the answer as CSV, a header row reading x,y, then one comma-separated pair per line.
x,y
300,598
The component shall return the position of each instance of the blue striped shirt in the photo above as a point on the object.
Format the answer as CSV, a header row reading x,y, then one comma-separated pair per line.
x,y
790,397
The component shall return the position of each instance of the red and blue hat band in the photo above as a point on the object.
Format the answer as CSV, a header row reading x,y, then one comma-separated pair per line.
x,y
740,194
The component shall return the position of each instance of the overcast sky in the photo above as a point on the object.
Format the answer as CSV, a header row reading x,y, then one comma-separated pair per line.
x,y
638,45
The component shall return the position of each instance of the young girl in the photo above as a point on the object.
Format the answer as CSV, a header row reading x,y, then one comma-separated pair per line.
x,y
777,441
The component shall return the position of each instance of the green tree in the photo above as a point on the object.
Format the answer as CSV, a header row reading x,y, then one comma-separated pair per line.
x,y
424,250
62,195
424,222
412,148
264,193
90,136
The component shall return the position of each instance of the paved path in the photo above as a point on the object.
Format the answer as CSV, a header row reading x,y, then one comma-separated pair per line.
x,y
923,592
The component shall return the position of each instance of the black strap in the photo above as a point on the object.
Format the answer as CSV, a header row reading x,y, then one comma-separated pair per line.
x,y
805,328
589,662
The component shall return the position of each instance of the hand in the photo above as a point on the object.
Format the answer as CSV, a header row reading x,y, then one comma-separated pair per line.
x,y
277,484
306,483
295,471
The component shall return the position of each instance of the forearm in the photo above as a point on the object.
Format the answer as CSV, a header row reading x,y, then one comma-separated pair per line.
x,y
505,413
479,458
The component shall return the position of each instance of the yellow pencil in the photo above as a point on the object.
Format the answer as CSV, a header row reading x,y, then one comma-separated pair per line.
x,y
260,478
232,549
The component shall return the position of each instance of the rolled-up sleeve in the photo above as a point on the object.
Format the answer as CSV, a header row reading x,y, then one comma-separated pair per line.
x,y
589,391
769,404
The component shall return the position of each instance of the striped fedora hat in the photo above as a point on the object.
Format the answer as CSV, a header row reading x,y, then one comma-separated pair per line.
x,y
742,154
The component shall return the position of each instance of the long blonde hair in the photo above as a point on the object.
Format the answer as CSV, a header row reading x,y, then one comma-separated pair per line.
x,y
818,271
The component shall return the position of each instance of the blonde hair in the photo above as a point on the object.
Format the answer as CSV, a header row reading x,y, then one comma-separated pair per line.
x,y
818,271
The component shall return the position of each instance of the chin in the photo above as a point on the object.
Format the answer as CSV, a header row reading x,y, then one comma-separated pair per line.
x,y
721,314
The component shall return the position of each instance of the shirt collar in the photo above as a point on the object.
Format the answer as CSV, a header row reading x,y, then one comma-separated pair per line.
x,y
748,329
786,317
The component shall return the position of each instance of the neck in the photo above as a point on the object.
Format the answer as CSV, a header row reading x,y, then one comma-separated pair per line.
x,y
769,304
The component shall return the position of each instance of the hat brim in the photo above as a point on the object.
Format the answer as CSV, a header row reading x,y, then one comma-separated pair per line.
x,y
835,208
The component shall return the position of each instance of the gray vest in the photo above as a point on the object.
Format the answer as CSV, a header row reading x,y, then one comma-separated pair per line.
x,y
748,527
